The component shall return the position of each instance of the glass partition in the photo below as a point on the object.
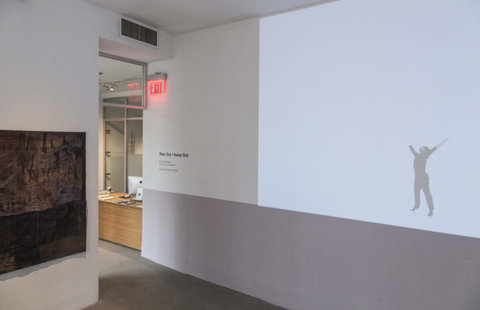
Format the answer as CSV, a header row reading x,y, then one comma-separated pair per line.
x,y
134,148
115,155
123,146
121,82
122,97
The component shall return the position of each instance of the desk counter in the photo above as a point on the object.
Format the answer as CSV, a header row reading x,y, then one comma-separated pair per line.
x,y
118,222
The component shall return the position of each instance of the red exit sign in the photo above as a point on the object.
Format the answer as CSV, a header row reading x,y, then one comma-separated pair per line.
x,y
157,86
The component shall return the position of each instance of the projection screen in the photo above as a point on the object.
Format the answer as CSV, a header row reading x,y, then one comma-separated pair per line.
x,y
369,110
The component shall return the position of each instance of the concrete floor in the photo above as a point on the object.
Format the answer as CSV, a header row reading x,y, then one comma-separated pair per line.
x,y
129,281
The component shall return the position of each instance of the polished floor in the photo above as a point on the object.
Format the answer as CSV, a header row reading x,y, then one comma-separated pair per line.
x,y
129,281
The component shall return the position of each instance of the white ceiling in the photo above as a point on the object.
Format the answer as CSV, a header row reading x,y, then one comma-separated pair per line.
x,y
180,16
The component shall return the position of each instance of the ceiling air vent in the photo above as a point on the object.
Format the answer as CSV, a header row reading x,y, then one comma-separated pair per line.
x,y
138,32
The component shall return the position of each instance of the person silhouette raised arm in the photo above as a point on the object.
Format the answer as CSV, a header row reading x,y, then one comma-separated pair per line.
x,y
421,176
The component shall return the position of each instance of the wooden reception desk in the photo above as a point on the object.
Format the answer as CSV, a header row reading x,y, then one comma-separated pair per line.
x,y
120,223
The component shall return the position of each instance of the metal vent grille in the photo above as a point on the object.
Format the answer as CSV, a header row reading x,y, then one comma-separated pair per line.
x,y
138,32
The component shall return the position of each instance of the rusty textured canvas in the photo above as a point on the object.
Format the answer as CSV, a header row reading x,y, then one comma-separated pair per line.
x,y
42,197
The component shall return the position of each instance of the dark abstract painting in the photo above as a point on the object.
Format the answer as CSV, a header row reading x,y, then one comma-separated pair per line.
x,y
42,197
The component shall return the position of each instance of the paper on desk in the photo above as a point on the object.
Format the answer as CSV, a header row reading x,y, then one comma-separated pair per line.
x,y
105,197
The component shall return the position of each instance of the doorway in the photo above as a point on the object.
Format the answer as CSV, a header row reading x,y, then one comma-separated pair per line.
x,y
121,104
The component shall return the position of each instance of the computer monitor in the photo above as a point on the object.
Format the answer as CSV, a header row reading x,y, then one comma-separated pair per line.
x,y
133,184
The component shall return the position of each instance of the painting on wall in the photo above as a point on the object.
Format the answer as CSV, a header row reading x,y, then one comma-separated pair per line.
x,y
42,197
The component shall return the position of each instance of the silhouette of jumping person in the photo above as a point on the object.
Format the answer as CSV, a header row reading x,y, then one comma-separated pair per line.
x,y
421,176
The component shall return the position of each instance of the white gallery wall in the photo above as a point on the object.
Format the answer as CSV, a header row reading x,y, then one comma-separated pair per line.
x,y
209,112
347,86
49,82
47,85
200,212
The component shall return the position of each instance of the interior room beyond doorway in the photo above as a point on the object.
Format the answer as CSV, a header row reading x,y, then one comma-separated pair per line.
x,y
121,101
